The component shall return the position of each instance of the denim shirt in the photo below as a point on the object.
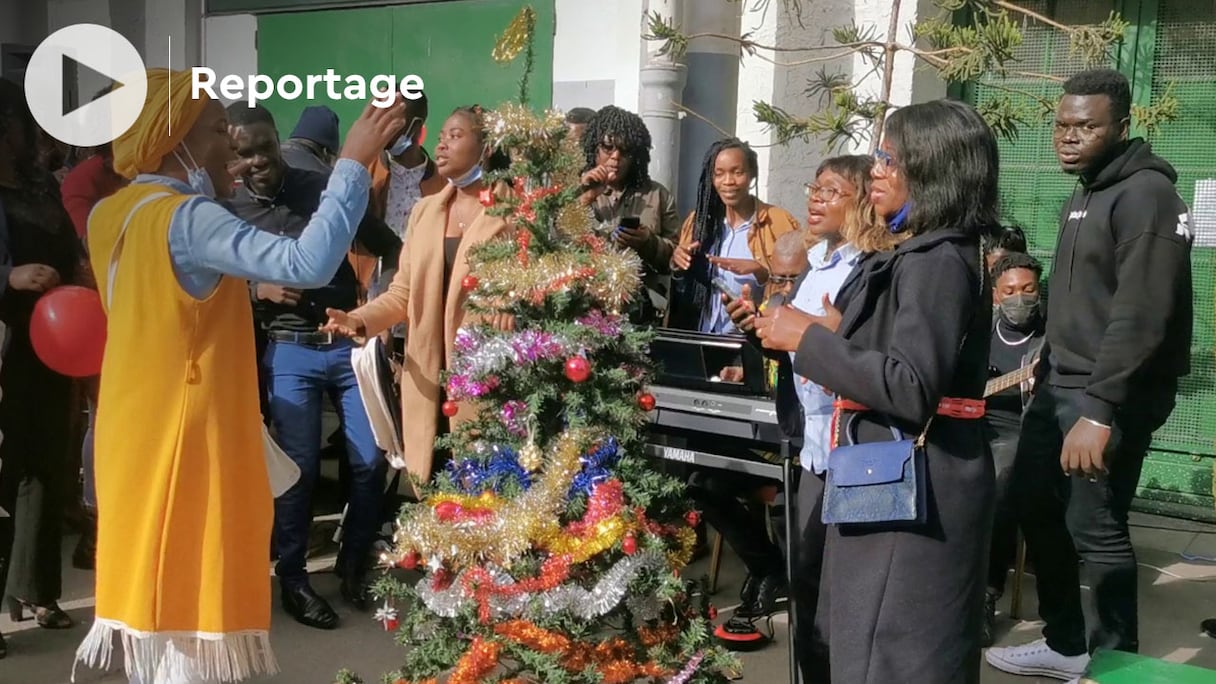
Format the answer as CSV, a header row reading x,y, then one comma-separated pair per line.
x,y
206,241
733,246
825,276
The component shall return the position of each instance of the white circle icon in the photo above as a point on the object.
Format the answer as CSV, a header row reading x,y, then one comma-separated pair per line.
x,y
86,48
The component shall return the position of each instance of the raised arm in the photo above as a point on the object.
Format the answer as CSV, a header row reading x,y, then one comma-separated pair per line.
x,y
208,237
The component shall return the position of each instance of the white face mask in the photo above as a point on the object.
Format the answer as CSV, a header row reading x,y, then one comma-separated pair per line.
x,y
196,176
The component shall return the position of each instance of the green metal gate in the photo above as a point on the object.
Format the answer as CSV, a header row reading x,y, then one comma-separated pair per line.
x,y
1172,44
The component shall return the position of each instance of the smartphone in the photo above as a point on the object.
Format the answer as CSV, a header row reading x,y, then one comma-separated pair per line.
x,y
628,222
724,287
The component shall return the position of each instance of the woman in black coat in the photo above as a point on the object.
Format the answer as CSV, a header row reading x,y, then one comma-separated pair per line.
x,y
904,602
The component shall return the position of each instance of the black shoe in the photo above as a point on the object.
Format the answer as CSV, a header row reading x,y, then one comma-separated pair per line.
x,y
355,591
988,630
766,593
748,594
303,604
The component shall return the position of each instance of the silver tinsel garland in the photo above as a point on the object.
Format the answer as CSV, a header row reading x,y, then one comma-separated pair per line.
x,y
579,602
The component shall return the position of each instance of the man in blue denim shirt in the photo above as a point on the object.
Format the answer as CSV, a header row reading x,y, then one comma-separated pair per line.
x,y
303,364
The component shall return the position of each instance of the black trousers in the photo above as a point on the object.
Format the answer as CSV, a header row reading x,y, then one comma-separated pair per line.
x,y
1003,441
1063,517
717,494
808,567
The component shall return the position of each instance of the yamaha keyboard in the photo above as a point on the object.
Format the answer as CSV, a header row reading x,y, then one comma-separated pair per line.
x,y
685,423
699,418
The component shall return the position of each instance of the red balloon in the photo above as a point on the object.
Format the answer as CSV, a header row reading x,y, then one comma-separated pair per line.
x,y
68,331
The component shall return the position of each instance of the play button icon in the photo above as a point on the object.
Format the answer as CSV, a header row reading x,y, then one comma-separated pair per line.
x,y
89,49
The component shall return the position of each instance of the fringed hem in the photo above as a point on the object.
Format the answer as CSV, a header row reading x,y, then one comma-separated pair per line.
x,y
179,656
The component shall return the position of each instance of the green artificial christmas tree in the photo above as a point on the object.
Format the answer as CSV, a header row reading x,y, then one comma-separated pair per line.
x,y
550,546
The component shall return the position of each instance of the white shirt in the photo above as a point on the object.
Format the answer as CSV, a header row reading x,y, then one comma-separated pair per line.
x,y
826,276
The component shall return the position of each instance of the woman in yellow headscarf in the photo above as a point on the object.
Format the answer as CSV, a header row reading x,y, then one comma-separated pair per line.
x,y
184,500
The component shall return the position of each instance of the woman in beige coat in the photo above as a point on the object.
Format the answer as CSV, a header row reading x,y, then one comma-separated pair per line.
x,y
426,291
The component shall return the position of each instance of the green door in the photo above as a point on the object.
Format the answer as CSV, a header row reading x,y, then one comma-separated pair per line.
x,y
1171,42
447,44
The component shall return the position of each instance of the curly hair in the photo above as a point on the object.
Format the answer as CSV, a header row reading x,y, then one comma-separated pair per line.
x,y
1106,82
498,160
1014,260
627,131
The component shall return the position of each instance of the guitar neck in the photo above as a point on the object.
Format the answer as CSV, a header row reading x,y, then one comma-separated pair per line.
x,y
1008,380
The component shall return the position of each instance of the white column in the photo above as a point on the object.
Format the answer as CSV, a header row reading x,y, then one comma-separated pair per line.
x,y
662,80
173,31
784,169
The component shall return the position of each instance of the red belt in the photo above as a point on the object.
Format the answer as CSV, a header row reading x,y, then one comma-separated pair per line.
x,y
966,409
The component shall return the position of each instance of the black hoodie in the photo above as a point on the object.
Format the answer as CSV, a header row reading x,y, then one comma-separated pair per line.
x,y
1119,304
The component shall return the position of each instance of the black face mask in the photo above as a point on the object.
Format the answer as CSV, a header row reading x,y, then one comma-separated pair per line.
x,y
1020,311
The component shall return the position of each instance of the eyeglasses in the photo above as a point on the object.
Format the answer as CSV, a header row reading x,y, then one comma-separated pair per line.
x,y
824,192
775,279
884,158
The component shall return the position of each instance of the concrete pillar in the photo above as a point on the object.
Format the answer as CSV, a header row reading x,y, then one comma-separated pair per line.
x,y
662,84
173,31
712,89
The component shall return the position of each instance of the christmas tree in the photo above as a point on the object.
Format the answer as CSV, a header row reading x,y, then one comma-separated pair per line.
x,y
550,546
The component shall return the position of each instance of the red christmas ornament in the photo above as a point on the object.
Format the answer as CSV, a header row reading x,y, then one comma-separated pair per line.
x,y
647,401
450,408
713,612
409,561
469,283
578,369
486,197
391,624
448,510
629,545
693,518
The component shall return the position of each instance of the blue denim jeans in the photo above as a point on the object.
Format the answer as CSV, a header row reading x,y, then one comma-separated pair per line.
x,y
298,377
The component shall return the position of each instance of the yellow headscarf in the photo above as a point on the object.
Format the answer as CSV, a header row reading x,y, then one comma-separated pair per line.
x,y
142,147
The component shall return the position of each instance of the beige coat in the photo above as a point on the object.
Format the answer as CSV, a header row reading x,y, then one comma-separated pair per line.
x,y
417,295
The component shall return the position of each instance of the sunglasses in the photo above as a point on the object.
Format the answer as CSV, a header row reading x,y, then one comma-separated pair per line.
x,y
782,279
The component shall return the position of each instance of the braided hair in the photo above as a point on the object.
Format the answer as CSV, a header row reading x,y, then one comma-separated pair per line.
x,y
627,131
498,160
696,299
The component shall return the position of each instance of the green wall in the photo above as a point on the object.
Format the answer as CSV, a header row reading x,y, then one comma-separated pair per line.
x,y
1171,41
447,44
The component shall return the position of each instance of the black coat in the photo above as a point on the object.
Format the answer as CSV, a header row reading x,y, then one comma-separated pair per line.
x,y
905,604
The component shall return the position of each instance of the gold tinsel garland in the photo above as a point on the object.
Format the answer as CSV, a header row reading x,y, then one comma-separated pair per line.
x,y
510,532
516,37
610,277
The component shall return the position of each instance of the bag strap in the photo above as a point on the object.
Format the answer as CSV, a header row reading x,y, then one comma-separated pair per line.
x,y
920,440
118,243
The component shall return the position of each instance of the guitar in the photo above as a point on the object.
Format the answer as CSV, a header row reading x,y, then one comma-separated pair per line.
x,y
1011,379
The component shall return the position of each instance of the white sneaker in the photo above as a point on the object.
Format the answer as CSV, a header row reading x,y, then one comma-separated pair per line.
x,y
1037,659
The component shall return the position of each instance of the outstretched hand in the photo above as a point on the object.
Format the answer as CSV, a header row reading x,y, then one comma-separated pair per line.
x,y
831,315
343,324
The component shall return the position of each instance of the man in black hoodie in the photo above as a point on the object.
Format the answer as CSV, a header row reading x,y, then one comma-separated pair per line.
x,y
1118,339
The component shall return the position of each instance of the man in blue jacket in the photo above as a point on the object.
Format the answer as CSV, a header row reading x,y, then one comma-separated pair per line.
x,y
1118,340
